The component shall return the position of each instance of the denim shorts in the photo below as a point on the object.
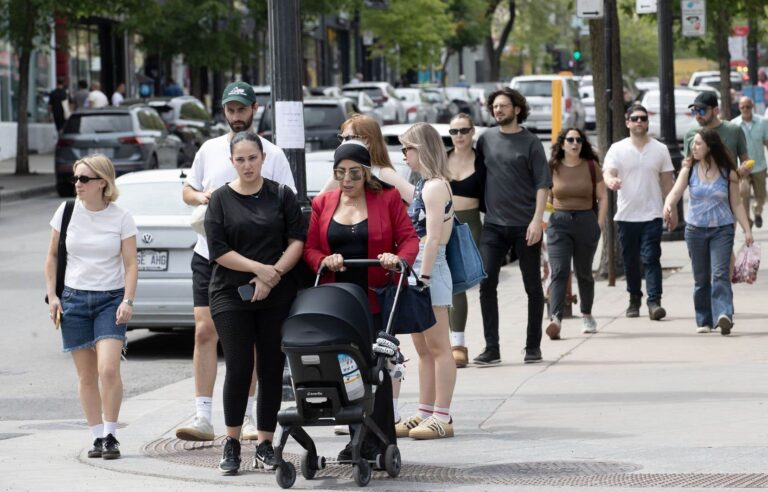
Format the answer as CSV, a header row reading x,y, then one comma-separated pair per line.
x,y
89,316
440,282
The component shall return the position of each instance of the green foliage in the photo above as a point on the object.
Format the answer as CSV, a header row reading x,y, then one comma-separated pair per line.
x,y
470,23
535,30
419,27
639,41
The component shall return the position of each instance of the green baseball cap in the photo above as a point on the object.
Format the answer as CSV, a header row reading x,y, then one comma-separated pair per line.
x,y
239,92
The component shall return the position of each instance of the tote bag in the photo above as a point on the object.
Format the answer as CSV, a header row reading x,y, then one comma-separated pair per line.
x,y
413,313
463,258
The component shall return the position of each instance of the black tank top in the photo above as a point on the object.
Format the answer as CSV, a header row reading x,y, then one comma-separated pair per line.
x,y
471,186
351,242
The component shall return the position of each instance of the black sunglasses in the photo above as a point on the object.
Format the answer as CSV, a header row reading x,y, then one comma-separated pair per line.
x,y
463,131
82,178
344,138
571,140
635,119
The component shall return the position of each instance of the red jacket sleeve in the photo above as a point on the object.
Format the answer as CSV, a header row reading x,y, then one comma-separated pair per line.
x,y
404,235
313,249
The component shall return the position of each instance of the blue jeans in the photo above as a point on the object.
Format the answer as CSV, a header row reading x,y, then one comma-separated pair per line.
x,y
89,316
710,251
641,242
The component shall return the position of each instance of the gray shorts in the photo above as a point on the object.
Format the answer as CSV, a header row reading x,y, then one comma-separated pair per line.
x,y
440,283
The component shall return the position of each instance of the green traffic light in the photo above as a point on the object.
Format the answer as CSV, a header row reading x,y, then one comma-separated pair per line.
x,y
577,55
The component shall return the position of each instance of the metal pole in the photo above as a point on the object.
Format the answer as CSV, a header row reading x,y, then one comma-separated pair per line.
x,y
286,78
752,51
667,100
608,6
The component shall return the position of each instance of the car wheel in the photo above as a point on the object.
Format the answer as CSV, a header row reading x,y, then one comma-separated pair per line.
x,y
153,164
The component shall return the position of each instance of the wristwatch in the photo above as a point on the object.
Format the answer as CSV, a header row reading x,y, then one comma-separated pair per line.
x,y
128,301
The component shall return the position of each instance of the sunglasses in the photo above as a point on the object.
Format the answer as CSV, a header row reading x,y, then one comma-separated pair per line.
x,y
698,111
635,119
355,174
83,179
571,140
406,149
456,131
344,138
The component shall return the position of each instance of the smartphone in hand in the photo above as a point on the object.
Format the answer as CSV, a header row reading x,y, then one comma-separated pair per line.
x,y
246,292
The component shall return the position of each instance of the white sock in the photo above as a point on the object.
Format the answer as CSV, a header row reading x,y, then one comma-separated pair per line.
x,y
250,408
444,414
204,406
397,410
110,428
97,431
425,410
457,338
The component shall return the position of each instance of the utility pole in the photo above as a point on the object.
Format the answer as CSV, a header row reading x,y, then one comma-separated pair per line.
x,y
667,100
752,51
286,82
608,7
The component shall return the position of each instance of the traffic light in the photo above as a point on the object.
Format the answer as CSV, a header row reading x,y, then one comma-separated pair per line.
x,y
576,55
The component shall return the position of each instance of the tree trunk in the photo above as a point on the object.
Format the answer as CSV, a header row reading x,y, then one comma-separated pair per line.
x,y
493,51
597,47
723,30
22,120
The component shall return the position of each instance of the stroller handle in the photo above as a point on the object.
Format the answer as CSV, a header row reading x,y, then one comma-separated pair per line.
x,y
402,267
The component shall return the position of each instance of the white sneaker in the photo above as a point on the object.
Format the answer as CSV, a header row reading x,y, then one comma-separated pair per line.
x,y
590,325
200,430
249,431
703,329
341,430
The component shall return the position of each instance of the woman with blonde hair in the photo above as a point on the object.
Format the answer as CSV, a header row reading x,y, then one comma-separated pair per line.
x,y
97,301
431,213
364,128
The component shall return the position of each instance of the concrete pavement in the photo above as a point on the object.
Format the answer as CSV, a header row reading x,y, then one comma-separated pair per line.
x,y
640,404
40,181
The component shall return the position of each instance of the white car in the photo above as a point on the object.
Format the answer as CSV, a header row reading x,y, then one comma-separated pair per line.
x,y
319,169
392,134
697,78
481,99
165,242
537,90
417,105
366,105
684,119
384,96
587,93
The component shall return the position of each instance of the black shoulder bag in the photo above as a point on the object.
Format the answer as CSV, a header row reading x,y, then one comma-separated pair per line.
x,y
61,257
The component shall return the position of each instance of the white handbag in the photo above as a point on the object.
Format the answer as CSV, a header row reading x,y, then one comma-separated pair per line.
x,y
197,220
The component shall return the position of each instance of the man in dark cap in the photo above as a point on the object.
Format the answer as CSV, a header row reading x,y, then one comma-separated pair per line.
x,y
707,113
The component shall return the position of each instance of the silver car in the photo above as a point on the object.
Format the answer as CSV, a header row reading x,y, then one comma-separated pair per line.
x,y
417,105
537,90
165,242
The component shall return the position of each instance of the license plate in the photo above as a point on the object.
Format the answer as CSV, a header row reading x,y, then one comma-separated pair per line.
x,y
153,260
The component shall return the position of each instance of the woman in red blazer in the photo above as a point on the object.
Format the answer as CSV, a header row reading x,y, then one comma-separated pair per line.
x,y
364,218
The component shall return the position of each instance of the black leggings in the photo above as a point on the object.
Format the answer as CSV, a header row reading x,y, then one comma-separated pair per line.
x,y
238,332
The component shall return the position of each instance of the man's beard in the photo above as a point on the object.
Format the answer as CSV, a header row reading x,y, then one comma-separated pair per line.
x,y
508,120
639,130
241,127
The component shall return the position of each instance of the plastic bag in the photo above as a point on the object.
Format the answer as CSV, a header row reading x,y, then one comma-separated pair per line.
x,y
747,264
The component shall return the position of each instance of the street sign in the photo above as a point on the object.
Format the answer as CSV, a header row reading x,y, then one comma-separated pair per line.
x,y
589,9
645,7
694,16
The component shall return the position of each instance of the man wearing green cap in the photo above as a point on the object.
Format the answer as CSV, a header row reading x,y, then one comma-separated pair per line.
x,y
210,170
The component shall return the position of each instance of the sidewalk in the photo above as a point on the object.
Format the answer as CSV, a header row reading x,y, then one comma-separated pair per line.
x,y
640,404
40,181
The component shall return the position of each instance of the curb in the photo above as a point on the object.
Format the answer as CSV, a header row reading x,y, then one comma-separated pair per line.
x,y
23,194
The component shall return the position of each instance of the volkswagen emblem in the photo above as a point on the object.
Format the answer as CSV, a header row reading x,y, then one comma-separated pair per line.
x,y
146,238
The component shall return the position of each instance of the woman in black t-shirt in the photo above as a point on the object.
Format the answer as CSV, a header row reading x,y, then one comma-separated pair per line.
x,y
255,235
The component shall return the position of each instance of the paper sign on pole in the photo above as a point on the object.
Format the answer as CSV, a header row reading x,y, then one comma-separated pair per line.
x,y
694,17
589,9
289,124
645,7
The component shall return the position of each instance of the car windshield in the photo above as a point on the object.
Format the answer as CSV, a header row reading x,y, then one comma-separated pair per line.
x,y
535,88
163,198
374,92
98,123
330,116
194,111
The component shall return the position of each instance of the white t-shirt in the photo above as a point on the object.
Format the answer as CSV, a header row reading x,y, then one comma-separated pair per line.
x,y
94,241
639,198
117,99
212,168
97,99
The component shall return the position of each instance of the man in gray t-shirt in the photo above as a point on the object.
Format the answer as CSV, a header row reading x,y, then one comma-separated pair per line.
x,y
517,181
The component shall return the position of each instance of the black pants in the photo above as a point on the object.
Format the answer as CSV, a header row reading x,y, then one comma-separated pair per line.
x,y
495,242
238,332
572,236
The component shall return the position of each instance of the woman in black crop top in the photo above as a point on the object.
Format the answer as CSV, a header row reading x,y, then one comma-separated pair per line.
x,y
467,185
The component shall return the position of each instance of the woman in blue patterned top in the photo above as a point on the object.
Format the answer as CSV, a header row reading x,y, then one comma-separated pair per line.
x,y
714,206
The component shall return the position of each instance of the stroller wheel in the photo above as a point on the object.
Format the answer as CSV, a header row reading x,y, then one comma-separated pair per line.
x,y
392,462
285,475
309,465
361,472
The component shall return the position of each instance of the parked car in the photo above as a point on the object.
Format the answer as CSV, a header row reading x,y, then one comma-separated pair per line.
x,y
462,101
392,133
383,94
481,93
366,105
322,119
537,89
264,98
134,137
587,94
319,168
417,106
684,119
714,82
697,78
187,118
440,102
647,83
165,244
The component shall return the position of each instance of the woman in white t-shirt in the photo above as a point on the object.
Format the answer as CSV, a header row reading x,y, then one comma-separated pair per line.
x,y
97,300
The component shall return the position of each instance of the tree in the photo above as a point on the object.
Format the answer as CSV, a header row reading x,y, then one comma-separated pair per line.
x,y
506,22
470,28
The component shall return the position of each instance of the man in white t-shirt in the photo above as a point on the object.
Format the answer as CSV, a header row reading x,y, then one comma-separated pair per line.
x,y
96,98
210,170
640,169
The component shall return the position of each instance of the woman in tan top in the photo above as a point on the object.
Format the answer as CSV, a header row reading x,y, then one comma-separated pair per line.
x,y
579,198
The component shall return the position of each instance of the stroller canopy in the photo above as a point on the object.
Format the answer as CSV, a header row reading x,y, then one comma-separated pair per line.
x,y
330,314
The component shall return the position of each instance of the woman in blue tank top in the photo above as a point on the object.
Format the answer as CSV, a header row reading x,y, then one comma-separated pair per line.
x,y
714,206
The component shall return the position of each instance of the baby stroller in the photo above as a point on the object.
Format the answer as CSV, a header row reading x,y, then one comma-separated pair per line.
x,y
327,339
